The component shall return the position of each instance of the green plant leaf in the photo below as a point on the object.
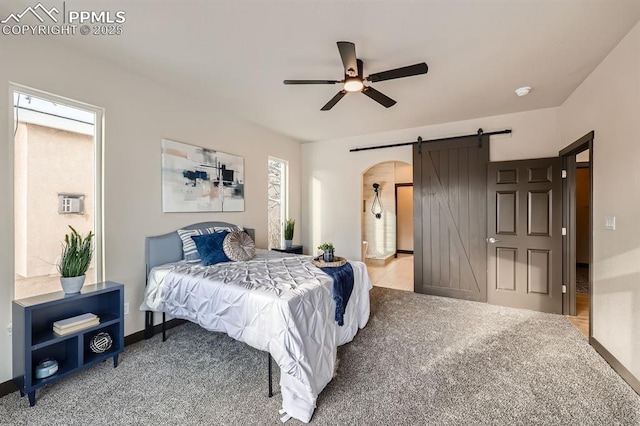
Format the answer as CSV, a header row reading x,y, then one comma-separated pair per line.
x,y
77,252
289,226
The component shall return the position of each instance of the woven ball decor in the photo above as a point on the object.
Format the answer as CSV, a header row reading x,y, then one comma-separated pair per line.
x,y
101,342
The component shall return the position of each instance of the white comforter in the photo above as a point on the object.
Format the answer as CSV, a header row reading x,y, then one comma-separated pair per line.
x,y
282,305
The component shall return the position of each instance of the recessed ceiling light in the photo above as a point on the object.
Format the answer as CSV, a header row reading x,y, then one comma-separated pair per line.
x,y
523,91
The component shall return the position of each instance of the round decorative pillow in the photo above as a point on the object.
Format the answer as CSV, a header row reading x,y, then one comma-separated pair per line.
x,y
100,343
239,246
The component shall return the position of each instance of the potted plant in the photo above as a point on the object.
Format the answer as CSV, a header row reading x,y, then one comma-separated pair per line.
x,y
327,251
289,226
74,260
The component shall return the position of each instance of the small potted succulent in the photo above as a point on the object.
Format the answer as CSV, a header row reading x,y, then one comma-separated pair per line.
x,y
75,259
289,226
327,251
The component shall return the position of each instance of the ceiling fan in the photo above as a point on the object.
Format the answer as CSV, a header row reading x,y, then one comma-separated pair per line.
x,y
354,80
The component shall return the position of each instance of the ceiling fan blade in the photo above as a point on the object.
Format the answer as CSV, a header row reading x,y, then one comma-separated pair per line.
x,y
334,100
380,98
311,81
348,55
409,71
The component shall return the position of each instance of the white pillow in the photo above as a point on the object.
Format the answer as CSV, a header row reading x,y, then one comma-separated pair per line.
x,y
228,228
239,246
189,248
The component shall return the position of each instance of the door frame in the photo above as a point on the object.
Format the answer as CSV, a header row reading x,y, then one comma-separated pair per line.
x,y
568,155
396,195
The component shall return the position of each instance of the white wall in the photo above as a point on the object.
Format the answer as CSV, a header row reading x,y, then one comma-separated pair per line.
x,y
332,176
608,102
138,114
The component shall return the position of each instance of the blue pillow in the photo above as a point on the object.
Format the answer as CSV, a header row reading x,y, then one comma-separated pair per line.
x,y
210,248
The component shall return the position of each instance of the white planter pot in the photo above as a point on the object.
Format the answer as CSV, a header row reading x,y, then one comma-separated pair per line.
x,y
288,243
72,285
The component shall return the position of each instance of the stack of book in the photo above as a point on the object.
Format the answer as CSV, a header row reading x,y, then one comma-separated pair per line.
x,y
77,323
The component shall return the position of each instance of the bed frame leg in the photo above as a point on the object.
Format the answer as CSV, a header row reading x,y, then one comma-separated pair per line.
x,y
270,379
164,327
148,325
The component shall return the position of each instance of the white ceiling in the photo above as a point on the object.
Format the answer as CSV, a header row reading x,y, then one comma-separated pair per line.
x,y
236,54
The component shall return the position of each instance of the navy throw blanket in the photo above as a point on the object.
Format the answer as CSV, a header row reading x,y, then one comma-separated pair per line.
x,y
342,288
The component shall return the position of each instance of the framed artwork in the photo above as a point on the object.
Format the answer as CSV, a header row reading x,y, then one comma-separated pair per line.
x,y
196,179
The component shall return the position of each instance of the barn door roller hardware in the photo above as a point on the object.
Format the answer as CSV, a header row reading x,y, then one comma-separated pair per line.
x,y
419,141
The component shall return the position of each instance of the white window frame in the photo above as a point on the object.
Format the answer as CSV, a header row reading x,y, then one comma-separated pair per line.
x,y
98,166
284,194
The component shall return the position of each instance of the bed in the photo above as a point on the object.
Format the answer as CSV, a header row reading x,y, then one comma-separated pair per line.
x,y
275,302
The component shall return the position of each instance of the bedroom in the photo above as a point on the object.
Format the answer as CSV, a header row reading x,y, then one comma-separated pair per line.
x,y
142,110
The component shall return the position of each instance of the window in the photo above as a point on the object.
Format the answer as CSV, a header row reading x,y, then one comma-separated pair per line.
x,y
278,191
57,184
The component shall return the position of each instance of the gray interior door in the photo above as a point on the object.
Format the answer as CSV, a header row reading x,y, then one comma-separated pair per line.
x,y
525,234
450,222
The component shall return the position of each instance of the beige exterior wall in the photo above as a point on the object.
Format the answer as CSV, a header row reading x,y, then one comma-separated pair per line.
x,y
52,161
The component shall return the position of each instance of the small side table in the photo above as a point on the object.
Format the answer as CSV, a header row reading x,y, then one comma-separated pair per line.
x,y
293,249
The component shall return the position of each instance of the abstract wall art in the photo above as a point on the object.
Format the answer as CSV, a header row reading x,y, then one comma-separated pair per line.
x,y
196,179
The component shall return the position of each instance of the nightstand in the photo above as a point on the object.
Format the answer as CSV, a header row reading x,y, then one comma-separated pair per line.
x,y
293,249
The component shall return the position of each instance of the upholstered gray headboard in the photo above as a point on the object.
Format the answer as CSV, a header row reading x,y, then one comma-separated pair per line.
x,y
167,248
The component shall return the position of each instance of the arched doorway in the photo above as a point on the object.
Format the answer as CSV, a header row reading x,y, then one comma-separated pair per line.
x,y
387,224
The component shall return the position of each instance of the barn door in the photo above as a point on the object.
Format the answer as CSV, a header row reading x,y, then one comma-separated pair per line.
x,y
525,234
450,222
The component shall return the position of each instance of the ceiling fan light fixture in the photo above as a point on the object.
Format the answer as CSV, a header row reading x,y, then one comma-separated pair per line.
x,y
353,84
354,77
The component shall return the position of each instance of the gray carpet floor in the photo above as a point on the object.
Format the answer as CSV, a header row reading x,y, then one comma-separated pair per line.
x,y
421,360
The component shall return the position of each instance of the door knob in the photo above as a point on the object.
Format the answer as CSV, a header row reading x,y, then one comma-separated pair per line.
x,y
492,240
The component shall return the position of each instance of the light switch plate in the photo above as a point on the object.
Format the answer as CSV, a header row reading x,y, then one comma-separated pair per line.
x,y
610,222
